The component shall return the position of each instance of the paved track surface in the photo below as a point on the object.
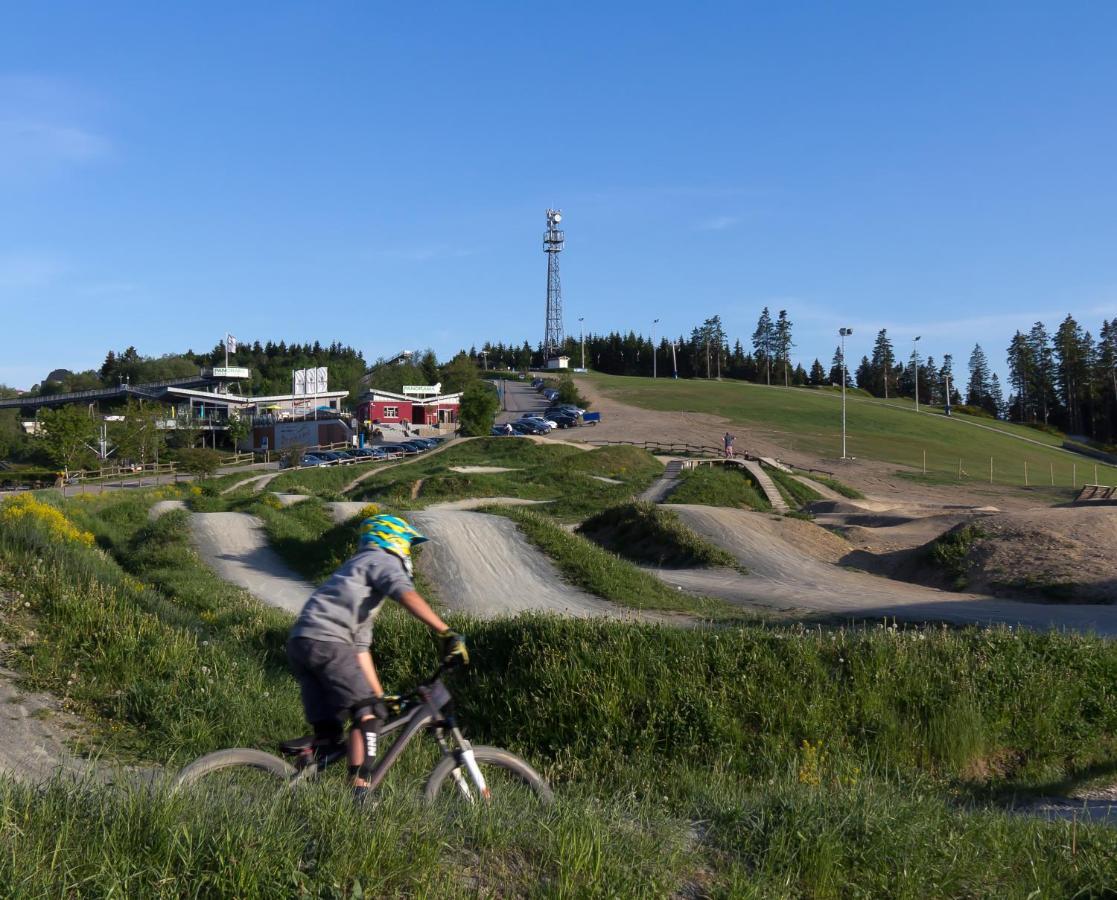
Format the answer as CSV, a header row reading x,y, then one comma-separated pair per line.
x,y
661,488
509,577
482,565
784,576
235,546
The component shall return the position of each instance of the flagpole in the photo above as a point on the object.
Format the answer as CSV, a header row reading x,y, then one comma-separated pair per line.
x,y
226,349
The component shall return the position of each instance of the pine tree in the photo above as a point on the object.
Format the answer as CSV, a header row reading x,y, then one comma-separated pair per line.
x,y
997,396
836,368
1020,365
979,391
763,343
783,343
928,382
1042,384
881,365
1072,372
818,374
946,379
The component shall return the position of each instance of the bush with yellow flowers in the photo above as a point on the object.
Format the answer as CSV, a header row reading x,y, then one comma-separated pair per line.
x,y
25,508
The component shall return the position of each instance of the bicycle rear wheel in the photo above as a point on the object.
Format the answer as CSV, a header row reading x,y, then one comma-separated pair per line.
x,y
509,781
236,776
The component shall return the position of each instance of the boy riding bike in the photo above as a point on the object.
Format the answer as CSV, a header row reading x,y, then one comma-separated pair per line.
x,y
328,648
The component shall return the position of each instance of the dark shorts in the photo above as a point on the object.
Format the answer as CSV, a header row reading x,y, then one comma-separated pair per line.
x,y
330,680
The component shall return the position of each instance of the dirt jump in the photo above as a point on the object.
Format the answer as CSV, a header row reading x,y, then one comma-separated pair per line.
x,y
508,577
482,565
792,567
235,546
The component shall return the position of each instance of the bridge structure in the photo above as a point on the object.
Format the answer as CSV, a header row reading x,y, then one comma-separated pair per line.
x,y
208,384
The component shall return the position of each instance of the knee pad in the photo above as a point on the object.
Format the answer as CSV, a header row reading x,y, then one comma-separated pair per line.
x,y
366,722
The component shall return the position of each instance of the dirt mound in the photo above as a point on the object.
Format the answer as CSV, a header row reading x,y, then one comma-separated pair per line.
x,y
1055,554
483,565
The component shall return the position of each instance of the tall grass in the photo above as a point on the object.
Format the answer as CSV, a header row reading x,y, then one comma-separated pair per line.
x,y
719,486
556,473
745,761
649,534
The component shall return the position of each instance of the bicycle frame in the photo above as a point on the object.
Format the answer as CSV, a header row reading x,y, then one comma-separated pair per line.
x,y
435,697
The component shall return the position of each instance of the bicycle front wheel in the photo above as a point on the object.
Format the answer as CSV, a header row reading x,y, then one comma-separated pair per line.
x,y
238,776
508,780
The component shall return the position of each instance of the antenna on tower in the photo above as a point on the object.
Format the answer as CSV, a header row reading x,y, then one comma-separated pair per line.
x,y
555,335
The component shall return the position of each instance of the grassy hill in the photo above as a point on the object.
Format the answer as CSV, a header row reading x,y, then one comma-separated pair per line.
x,y
890,431
739,762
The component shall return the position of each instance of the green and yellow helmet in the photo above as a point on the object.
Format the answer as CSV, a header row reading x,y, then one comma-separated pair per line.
x,y
390,533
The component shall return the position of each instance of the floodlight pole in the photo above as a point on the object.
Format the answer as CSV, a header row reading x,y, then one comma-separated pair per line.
x,y
844,332
582,340
915,356
654,322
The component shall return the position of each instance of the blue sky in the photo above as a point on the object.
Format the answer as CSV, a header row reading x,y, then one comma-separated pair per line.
x,y
378,173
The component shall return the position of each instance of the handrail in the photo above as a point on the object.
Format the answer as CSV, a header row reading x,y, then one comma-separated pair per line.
x,y
119,390
663,447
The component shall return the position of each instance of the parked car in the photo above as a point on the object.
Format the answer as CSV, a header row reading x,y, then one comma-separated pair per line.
x,y
565,408
309,459
563,420
524,427
538,420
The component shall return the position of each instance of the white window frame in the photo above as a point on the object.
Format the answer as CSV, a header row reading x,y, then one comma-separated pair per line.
x,y
391,412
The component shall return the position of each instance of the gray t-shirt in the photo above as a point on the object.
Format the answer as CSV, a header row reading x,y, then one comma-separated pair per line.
x,y
342,609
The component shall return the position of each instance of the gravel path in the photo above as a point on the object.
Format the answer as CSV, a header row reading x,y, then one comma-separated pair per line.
x,y
784,576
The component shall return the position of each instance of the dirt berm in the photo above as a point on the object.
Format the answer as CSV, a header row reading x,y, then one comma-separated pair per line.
x,y
1067,553
791,567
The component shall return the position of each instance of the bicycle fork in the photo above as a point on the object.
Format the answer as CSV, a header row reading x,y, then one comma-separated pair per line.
x,y
463,756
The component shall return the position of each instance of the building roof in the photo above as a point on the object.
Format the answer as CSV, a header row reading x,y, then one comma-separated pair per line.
x,y
378,396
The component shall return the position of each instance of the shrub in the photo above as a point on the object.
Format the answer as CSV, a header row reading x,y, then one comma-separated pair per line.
x,y
25,508
645,533
568,393
478,410
202,463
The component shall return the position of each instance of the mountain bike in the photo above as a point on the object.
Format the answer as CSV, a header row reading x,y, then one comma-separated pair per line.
x,y
476,774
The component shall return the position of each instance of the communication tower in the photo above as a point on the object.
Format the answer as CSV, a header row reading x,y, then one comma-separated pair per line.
x,y
555,334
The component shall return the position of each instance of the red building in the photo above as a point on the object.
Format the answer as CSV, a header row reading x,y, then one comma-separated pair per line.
x,y
417,405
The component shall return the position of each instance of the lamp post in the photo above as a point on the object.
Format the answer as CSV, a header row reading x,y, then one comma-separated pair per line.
x,y
582,339
915,356
654,323
844,332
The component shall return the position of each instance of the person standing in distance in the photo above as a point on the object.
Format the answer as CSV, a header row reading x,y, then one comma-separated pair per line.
x,y
328,647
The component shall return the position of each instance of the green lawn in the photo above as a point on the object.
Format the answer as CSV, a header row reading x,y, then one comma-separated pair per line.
x,y
810,421
564,475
